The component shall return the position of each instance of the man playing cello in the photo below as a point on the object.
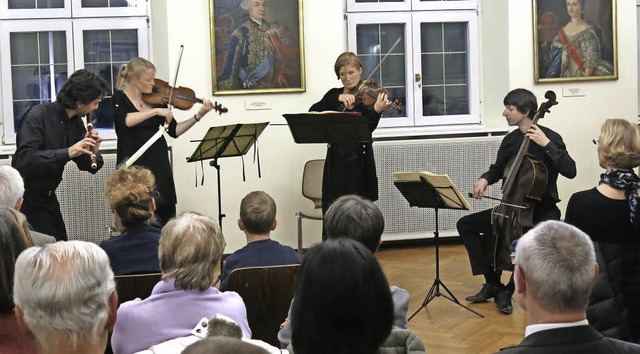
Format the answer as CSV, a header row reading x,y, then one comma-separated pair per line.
x,y
476,229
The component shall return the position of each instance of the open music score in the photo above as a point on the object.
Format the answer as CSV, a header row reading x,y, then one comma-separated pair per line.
x,y
451,197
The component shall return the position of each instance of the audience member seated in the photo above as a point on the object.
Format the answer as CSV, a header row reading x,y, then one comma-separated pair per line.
x,y
11,192
342,301
223,345
555,269
610,215
257,220
65,297
191,246
129,192
354,217
12,242
218,326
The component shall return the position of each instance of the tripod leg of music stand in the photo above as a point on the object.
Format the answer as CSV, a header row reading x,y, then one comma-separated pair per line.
x,y
453,299
433,292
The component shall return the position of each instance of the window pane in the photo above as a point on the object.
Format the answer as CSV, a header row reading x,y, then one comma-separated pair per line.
x,y
105,51
444,69
33,4
431,37
34,55
24,48
457,100
455,71
110,3
374,41
124,44
379,1
432,101
432,69
455,37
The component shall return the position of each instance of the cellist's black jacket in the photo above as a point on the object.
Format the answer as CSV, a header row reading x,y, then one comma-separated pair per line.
x,y
554,156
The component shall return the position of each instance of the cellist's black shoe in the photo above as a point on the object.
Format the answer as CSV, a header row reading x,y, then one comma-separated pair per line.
x,y
503,302
487,292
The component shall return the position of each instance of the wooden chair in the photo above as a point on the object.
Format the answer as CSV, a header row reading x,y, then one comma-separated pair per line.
x,y
267,294
311,189
133,286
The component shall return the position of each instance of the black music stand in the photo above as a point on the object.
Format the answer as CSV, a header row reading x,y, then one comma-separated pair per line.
x,y
226,141
423,194
328,127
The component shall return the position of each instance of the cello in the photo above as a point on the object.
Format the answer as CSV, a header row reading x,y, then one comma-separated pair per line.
x,y
522,189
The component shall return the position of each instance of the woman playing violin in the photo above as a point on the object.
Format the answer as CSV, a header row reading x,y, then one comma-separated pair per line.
x,y
476,229
136,121
349,166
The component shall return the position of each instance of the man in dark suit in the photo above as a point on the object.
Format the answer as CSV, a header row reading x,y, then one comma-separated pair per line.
x,y
555,268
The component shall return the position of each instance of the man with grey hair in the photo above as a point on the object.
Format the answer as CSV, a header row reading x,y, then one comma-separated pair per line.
x,y
65,297
11,196
555,269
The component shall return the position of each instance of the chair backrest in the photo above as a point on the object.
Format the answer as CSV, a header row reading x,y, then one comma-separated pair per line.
x,y
267,293
133,286
312,181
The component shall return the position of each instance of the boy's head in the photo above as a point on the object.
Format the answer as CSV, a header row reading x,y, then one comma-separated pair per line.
x,y
257,213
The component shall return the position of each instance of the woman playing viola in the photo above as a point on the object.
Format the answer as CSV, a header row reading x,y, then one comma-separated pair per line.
x,y
349,166
136,121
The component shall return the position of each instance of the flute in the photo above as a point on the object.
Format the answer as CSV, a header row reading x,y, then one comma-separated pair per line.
x,y
94,164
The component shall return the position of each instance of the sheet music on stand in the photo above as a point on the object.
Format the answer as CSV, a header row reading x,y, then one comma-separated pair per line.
x,y
227,141
328,127
449,195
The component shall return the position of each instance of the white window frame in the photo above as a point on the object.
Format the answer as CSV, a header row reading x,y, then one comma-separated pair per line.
x,y
408,5
81,25
414,120
471,18
403,18
6,13
139,10
44,20
9,27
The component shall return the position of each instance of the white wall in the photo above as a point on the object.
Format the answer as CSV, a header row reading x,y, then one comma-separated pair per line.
x,y
507,62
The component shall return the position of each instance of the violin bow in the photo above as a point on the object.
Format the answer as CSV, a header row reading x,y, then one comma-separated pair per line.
x,y
175,77
380,63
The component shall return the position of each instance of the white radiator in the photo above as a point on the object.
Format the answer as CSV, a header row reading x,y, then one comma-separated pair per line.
x,y
82,202
463,159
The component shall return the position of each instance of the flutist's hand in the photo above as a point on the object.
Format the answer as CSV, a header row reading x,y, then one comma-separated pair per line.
x,y
84,146
95,135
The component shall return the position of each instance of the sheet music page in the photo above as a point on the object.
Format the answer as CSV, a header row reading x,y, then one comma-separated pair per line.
x,y
451,196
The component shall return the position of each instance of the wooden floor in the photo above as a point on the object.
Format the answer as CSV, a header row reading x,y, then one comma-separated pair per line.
x,y
446,327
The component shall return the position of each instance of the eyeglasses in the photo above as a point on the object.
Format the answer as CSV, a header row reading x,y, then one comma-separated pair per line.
x,y
595,141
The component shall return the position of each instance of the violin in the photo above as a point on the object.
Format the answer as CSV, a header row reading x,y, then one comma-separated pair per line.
x,y
522,188
366,93
182,98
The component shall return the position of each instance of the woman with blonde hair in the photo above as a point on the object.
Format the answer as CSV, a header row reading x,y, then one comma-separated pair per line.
x,y
610,215
136,122
130,194
191,246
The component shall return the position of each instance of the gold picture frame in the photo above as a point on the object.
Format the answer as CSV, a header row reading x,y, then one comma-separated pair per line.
x,y
575,40
257,46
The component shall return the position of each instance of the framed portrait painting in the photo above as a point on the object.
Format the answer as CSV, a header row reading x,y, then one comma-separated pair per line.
x,y
575,40
257,46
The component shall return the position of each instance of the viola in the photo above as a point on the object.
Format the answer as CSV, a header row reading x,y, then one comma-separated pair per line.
x,y
182,98
522,189
366,93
